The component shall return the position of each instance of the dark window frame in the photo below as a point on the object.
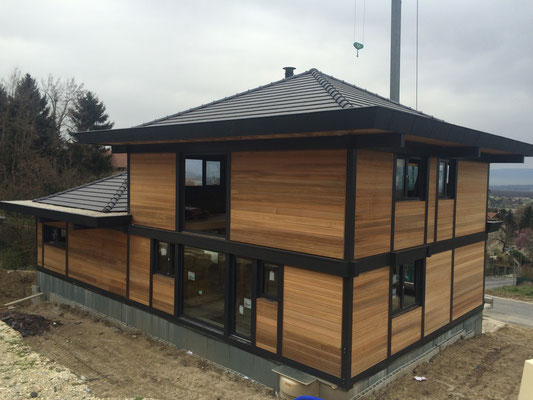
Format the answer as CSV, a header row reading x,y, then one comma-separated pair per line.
x,y
419,266
172,258
48,231
422,173
233,307
204,158
261,281
450,188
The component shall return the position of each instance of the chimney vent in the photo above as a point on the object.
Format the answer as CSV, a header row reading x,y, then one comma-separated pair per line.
x,y
289,71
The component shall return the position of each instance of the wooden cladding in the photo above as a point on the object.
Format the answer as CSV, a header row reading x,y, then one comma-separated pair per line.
x,y
40,244
153,189
468,278
471,210
266,330
55,259
406,329
370,319
139,286
163,293
438,291
98,257
312,319
409,224
373,203
432,199
291,200
445,219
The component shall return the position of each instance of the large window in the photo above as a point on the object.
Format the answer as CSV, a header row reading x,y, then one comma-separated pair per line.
x,y
164,258
406,286
446,179
243,296
410,178
54,236
205,194
204,285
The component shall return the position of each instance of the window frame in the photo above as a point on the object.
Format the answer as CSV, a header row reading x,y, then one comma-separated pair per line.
x,y
451,165
422,174
46,233
204,158
261,281
172,259
419,266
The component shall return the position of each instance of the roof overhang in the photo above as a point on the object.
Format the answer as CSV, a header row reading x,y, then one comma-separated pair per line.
x,y
93,219
380,119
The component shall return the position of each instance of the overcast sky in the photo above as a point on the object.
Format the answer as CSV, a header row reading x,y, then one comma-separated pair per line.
x,y
147,59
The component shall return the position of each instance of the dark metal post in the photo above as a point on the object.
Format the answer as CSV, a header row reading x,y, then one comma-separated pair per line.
x,y
396,33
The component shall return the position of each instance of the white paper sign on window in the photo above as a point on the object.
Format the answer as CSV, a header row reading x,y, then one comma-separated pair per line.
x,y
191,276
248,303
272,276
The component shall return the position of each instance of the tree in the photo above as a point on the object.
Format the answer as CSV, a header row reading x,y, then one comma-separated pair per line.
x,y
88,114
507,232
526,221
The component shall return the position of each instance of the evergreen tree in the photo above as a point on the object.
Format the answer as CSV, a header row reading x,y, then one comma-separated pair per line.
x,y
88,113
527,218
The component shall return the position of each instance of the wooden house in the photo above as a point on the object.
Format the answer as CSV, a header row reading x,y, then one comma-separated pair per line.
x,y
307,223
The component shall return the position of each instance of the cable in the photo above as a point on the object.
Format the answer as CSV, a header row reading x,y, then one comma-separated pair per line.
x,y
364,14
354,17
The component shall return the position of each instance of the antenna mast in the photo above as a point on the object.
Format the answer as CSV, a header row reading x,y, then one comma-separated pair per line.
x,y
396,33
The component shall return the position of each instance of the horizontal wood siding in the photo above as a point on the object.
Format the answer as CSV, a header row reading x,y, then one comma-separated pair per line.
x,y
153,189
40,244
373,204
266,331
163,293
432,199
406,329
468,278
98,257
471,213
55,259
409,224
139,289
291,200
438,291
312,319
445,219
370,319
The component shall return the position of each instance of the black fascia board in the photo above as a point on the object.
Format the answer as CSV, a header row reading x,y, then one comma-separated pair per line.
x,y
78,219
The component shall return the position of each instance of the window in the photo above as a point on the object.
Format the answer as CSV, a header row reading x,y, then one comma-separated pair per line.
x,y
446,180
203,285
55,236
410,178
269,281
406,286
164,258
205,194
243,296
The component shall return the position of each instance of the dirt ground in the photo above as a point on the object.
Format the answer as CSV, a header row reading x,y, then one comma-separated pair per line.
x,y
15,285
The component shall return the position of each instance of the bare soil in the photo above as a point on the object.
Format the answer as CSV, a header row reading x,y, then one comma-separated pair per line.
x,y
14,285
488,366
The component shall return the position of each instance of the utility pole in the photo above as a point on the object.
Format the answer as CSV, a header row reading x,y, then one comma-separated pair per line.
x,y
395,44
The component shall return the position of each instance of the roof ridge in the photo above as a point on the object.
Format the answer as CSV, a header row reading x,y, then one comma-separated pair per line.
x,y
223,99
116,197
330,89
79,187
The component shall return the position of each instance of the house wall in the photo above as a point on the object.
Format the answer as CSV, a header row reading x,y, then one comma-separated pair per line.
x,y
98,257
139,285
471,213
153,189
291,200
409,224
438,291
370,320
266,330
373,203
312,319
55,259
406,329
468,270
163,293
445,219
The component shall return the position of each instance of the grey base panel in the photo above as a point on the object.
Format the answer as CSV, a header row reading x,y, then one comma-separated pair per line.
x,y
223,354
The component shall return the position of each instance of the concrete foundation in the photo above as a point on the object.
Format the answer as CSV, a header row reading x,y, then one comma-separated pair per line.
x,y
231,357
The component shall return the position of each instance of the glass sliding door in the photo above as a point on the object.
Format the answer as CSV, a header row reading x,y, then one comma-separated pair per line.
x,y
243,297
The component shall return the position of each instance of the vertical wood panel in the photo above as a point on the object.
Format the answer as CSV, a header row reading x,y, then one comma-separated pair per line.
x,y
370,319
55,259
471,213
409,224
312,319
140,269
153,189
432,199
40,244
438,291
406,329
163,293
292,200
266,331
445,219
373,203
98,257
468,278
